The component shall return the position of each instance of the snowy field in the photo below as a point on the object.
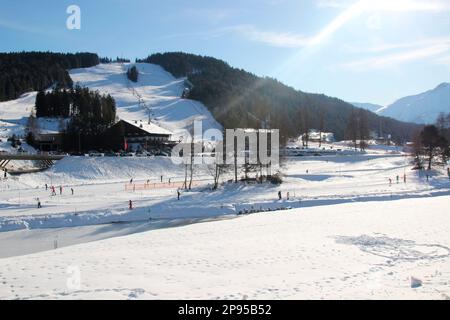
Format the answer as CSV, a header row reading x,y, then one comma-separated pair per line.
x,y
345,232
350,251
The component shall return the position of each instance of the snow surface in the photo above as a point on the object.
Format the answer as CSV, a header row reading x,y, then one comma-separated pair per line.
x,y
350,251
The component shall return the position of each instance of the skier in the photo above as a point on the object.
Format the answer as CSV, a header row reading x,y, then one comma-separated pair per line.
x,y
46,187
398,179
390,182
279,195
130,205
404,178
161,178
71,189
131,181
53,191
60,190
288,195
178,194
39,203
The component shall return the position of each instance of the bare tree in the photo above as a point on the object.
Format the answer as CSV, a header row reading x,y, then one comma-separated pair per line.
x,y
305,126
352,129
321,128
363,126
216,170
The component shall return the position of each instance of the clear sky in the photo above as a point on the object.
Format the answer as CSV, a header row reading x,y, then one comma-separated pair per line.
x,y
358,50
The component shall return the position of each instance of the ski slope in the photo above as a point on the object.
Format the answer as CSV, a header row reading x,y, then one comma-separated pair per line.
x,y
14,117
158,91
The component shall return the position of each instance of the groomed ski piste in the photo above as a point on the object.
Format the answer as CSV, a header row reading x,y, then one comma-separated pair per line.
x,y
344,233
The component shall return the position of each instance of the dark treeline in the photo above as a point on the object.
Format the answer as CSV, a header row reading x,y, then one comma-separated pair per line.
x,y
22,72
110,60
237,98
90,115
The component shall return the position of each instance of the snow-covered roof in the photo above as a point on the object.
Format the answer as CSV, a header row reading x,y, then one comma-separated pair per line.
x,y
148,127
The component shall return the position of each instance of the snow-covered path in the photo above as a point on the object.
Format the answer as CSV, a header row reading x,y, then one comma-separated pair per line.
x,y
349,251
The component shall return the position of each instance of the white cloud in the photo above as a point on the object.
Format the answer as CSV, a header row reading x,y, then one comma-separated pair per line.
x,y
384,47
395,59
213,15
390,5
272,38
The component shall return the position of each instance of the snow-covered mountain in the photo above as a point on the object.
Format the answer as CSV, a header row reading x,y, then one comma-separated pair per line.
x,y
368,106
421,108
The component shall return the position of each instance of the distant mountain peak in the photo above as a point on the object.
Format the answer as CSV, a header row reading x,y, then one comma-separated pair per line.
x,y
422,108
443,85
368,106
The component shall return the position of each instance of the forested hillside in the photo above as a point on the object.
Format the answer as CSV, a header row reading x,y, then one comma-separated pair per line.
x,y
33,71
238,98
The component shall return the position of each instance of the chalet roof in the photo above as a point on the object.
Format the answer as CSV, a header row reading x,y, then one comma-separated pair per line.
x,y
150,128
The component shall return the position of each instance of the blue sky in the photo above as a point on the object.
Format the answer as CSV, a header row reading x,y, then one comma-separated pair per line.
x,y
357,50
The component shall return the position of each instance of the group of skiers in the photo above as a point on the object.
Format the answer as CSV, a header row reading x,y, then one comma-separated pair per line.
x,y
398,179
53,189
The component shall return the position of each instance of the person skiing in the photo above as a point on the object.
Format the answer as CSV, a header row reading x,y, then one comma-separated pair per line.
x,y
287,195
60,190
279,195
46,187
130,205
131,181
71,189
39,203
390,182
53,191
178,194
161,178
398,179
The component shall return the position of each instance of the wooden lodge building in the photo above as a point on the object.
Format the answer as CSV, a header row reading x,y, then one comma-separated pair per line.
x,y
147,134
